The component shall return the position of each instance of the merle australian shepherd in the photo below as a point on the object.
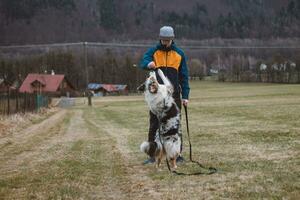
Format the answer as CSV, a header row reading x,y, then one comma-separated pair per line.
x,y
161,103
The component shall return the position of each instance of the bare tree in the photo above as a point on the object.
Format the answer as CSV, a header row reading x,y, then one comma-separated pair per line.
x,y
196,68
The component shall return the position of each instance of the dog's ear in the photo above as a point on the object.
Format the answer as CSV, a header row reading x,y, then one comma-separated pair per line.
x,y
164,78
166,82
141,88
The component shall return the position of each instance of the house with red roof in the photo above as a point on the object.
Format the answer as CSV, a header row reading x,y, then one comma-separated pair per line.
x,y
107,89
52,84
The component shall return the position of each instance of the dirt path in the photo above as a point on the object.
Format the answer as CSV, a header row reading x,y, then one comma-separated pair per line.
x,y
34,129
28,147
141,185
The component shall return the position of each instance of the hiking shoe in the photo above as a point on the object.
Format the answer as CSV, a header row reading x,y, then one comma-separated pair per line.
x,y
149,161
179,159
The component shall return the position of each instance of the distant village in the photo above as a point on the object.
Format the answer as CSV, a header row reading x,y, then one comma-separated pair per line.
x,y
36,91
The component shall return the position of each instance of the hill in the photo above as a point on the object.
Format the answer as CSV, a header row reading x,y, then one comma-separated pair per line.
x,y
48,21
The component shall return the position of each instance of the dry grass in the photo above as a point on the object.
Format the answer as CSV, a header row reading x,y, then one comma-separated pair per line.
x,y
250,132
16,122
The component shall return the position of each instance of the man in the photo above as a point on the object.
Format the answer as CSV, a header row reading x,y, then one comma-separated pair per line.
x,y
171,60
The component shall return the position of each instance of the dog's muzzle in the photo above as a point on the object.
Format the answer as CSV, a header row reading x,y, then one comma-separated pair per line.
x,y
153,87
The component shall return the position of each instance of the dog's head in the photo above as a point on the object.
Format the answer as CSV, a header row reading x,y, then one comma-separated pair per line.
x,y
151,84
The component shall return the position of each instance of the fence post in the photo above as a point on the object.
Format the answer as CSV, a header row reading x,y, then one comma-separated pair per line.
x,y
17,101
25,102
8,101
89,100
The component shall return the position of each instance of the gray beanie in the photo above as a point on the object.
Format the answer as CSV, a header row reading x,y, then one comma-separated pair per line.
x,y
166,32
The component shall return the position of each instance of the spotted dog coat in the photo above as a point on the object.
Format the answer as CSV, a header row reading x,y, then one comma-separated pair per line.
x,y
161,103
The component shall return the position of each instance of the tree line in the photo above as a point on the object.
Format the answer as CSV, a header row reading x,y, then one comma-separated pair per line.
x,y
276,69
105,68
120,66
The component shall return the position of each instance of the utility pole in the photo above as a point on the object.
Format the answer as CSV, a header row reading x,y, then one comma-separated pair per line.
x,y
136,75
85,44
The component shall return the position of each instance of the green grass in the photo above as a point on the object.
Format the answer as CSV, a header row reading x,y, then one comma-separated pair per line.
x,y
242,129
249,132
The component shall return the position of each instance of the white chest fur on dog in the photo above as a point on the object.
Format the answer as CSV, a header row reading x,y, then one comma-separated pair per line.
x,y
161,103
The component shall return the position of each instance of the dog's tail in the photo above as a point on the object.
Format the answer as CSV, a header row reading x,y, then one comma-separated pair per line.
x,y
145,146
149,148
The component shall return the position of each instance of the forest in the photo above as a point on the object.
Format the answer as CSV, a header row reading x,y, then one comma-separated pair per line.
x,y
48,21
211,33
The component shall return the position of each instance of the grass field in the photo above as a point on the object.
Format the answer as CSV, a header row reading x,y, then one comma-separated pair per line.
x,y
249,132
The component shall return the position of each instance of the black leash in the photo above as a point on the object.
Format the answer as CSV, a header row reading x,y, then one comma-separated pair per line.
x,y
211,170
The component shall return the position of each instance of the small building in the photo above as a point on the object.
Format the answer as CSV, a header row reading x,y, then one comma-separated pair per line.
x,y
107,89
52,84
5,86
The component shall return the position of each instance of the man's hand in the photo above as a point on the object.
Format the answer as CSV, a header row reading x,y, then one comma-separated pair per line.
x,y
151,65
185,102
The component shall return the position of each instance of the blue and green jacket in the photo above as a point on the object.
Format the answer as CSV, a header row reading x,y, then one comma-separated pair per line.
x,y
172,62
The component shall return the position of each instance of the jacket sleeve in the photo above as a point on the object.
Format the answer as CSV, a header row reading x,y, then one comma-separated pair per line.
x,y
147,58
184,78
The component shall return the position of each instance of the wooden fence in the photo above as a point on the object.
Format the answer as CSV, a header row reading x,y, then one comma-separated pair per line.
x,y
13,102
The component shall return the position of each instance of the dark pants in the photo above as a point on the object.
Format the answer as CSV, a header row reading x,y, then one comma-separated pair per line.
x,y
154,126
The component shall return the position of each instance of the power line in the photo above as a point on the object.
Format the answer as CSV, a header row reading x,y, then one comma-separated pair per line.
x,y
132,45
40,45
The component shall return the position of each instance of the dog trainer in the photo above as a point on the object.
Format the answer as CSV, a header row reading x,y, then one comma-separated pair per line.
x,y
171,60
